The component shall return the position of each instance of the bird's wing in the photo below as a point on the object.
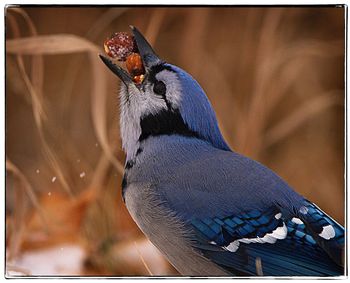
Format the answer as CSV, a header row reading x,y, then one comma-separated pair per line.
x,y
263,242
327,232
242,212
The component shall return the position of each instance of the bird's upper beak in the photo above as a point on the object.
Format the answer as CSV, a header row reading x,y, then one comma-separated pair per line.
x,y
148,56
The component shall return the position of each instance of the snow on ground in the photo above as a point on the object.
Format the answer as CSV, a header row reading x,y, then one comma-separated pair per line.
x,y
65,259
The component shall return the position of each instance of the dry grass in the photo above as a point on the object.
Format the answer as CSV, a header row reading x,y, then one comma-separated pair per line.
x,y
274,76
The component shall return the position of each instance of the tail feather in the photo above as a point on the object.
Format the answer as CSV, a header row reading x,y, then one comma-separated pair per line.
x,y
328,234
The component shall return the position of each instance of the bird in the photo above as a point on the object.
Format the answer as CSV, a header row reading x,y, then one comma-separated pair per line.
x,y
210,210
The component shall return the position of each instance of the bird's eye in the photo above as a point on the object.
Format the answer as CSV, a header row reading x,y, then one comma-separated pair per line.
x,y
159,88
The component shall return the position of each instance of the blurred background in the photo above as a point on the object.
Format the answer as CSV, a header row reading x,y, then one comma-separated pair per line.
x,y
275,77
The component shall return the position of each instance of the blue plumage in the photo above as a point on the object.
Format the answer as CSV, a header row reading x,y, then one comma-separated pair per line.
x,y
210,210
222,207
249,224
296,254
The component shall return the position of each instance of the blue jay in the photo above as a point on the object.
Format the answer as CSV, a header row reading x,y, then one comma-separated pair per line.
x,y
208,209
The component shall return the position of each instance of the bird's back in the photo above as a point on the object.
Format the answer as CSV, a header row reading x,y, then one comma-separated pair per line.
x,y
196,173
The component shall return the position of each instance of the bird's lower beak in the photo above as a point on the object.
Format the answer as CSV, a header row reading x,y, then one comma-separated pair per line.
x,y
123,75
148,57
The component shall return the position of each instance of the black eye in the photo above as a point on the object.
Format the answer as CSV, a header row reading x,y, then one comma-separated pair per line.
x,y
159,88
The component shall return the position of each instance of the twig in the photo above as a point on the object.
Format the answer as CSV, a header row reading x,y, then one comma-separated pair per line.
x,y
258,266
142,259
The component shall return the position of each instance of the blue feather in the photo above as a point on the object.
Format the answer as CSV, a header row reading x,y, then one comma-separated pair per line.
x,y
297,254
316,220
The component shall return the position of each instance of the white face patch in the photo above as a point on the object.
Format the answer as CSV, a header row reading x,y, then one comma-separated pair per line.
x,y
173,87
327,232
136,104
279,233
297,221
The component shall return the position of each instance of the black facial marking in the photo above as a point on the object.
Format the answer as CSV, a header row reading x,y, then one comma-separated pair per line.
x,y
165,122
167,102
159,88
124,185
139,150
129,164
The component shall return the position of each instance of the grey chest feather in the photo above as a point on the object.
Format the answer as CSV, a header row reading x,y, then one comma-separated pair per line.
x,y
166,231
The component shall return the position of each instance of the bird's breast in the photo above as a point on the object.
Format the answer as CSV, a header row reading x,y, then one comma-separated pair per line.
x,y
166,231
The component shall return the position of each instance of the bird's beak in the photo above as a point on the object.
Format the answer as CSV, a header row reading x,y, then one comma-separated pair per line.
x,y
148,56
123,75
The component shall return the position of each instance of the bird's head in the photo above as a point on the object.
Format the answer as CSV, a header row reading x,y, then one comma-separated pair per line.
x,y
167,102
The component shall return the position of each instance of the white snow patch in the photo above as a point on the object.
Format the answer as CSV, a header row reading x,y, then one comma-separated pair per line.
x,y
82,175
53,179
59,260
